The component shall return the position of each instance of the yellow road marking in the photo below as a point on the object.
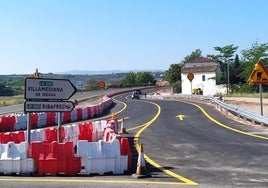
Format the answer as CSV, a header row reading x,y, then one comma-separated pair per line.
x,y
169,172
225,126
71,180
180,117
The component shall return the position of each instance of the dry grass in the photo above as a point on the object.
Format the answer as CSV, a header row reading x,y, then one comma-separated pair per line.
x,y
8,101
248,95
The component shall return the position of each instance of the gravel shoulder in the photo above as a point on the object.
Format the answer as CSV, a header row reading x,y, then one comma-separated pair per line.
x,y
250,104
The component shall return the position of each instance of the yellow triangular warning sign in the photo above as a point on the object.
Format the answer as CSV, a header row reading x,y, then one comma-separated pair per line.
x,y
259,75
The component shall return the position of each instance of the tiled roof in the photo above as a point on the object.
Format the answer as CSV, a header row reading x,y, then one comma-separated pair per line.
x,y
209,68
201,60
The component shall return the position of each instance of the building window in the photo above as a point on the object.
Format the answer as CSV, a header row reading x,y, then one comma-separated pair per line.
x,y
203,77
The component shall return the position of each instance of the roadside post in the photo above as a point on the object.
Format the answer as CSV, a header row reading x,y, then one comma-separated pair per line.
x,y
259,76
47,95
102,85
190,77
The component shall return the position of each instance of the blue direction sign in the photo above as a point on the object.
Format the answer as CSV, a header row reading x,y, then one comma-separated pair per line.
x,y
48,106
48,89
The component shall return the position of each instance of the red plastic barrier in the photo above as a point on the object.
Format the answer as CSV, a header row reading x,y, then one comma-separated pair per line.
x,y
51,119
64,153
51,135
54,158
7,123
35,150
125,150
85,131
1,124
34,120
96,110
5,138
67,117
89,113
79,114
18,136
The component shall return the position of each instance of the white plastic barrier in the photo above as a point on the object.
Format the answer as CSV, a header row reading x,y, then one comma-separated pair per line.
x,y
38,135
113,124
21,122
98,130
109,135
42,120
74,115
71,133
84,113
14,159
100,157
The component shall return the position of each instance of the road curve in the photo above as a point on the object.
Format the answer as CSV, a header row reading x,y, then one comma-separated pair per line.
x,y
184,144
199,143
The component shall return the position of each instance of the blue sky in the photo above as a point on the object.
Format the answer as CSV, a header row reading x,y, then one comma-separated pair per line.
x,y
94,35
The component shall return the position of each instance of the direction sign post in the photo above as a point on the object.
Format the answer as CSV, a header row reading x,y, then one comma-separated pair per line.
x,y
59,126
47,95
48,106
48,89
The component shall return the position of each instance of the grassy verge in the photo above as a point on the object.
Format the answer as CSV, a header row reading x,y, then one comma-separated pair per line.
x,y
7,101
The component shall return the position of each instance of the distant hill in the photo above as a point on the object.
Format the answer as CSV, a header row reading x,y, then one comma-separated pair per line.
x,y
86,72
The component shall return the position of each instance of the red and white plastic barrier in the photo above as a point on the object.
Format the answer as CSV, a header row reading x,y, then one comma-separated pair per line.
x,y
39,120
98,144
100,157
14,159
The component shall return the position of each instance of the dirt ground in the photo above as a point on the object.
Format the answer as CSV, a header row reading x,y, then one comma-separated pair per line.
x,y
250,104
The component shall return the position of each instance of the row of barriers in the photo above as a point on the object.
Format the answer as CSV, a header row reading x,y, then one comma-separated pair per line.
x,y
90,131
90,148
40,120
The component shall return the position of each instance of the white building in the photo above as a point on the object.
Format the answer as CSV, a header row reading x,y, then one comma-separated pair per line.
x,y
204,71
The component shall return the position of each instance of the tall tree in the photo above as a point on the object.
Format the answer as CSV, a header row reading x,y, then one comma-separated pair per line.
x,y
129,79
251,57
223,57
145,78
173,74
236,69
195,54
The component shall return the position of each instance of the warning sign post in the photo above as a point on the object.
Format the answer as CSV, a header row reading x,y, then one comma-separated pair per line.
x,y
259,76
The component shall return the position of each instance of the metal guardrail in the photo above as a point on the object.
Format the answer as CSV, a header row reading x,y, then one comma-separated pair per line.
x,y
235,110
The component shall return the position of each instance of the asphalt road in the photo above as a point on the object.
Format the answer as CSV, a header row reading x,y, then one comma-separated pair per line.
x,y
184,145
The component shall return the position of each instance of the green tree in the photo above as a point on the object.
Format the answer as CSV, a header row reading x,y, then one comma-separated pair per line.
x,y
223,57
129,79
251,56
173,74
4,90
235,71
145,78
91,85
195,54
